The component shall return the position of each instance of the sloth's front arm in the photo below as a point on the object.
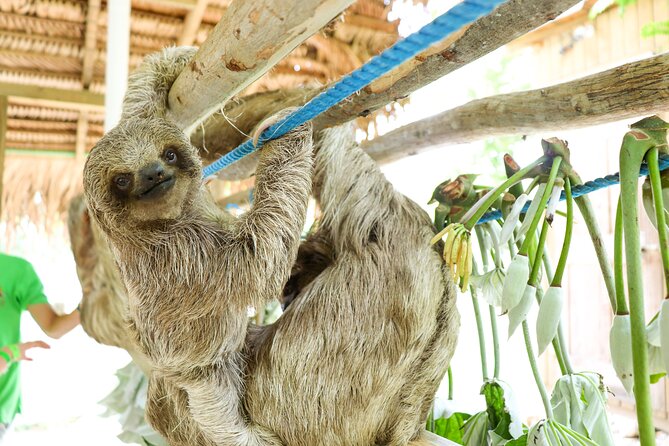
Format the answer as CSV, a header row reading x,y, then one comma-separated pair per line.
x,y
265,239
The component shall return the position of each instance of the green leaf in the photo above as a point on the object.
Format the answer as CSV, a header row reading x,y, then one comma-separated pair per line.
x,y
476,430
654,379
579,403
498,417
451,427
520,441
655,28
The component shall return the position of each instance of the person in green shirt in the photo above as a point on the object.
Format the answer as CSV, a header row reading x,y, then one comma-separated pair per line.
x,y
21,290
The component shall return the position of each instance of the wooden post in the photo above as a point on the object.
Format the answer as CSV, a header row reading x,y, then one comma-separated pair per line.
x,y
118,54
192,23
4,105
249,40
629,91
82,132
90,42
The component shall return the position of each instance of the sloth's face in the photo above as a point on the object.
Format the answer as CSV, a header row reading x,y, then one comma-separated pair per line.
x,y
144,170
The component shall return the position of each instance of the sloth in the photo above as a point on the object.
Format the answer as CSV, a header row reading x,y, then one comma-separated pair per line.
x,y
371,325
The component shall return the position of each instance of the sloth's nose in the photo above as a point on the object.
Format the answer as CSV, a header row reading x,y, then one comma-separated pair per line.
x,y
153,173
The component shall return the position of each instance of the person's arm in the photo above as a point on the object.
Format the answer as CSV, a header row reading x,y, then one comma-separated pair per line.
x,y
17,352
52,324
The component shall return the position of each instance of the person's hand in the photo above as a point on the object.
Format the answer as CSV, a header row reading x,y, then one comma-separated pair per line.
x,y
25,346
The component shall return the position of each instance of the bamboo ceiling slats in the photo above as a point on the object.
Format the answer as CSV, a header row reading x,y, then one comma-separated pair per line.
x,y
50,114
37,25
63,81
43,44
70,10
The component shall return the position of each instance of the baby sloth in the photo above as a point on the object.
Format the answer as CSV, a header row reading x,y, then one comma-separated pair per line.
x,y
358,354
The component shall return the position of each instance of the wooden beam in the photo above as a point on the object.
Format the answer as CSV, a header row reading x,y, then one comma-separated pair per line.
x,y
249,40
4,106
52,97
40,153
116,63
187,4
192,23
631,90
82,133
506,23
90,42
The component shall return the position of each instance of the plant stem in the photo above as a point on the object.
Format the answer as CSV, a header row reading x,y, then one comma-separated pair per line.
x,y
535,371
618,276
495,340
491,309
585,207
632,153
450,383
564,352
496,192
536,265
557,346
430,419
562,263
480,238
555,168
658,201
479,327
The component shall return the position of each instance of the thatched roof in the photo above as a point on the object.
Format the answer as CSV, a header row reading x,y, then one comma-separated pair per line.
x,y
43,43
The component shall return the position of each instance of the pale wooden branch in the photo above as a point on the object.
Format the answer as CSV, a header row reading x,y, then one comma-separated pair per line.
x,y
192,23
90,42
436,440
631,90
235,54
509,21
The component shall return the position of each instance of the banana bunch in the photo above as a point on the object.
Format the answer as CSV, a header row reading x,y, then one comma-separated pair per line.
x,y
457,252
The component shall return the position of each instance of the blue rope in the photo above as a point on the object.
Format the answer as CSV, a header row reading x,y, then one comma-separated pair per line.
x,y
449,22
585,188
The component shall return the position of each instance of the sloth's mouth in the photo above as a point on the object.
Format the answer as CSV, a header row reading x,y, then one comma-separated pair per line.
x,y
157,189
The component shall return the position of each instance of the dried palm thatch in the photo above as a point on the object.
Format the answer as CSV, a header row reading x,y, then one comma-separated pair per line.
x,y
43,43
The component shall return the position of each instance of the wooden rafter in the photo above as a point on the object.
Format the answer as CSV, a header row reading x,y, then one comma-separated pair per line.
x,y
629,91
188,4
90,42
192,23
34,95
235,54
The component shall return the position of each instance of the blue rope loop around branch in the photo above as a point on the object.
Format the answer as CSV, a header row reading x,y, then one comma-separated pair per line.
x,y
444,25
583,189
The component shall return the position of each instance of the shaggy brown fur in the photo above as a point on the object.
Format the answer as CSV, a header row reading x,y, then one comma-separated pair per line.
x,y
358,355
104,299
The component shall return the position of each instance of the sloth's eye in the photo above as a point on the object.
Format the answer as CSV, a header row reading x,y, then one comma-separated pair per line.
x,y
122,181
170,156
